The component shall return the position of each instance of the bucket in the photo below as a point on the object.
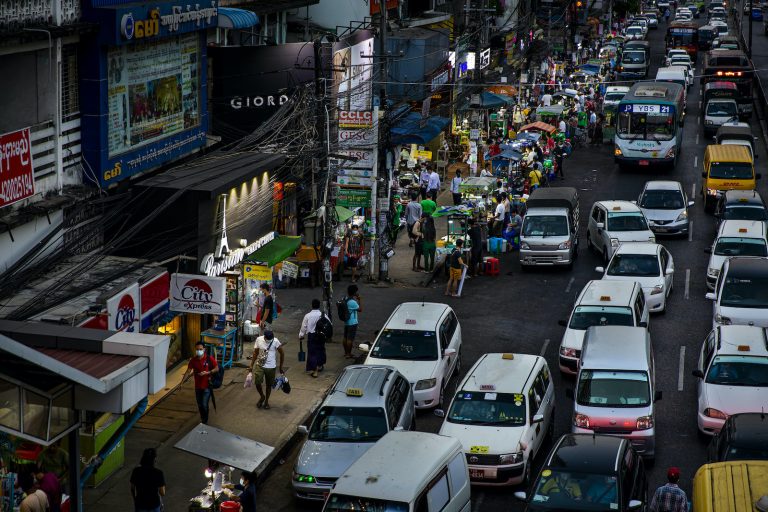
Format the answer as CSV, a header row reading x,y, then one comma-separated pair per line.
x,y
230,506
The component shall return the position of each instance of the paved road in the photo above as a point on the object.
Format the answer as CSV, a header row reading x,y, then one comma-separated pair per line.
x,y
519,313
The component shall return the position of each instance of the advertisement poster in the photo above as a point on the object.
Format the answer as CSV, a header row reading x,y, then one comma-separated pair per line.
x,y
17,180
197,294
352,75
153,91
123,310
258,272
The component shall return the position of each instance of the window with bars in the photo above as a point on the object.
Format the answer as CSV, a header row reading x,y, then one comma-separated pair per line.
x,y
70,99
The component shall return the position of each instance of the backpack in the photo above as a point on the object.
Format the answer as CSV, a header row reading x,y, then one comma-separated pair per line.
x,y
342,309
324,327
216,379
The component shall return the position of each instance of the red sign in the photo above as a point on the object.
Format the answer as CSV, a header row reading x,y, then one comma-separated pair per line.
x,y
355,119
17,180
376,5
100,321
154,293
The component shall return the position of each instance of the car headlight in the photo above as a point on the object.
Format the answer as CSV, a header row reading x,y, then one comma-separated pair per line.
x,y
426,384
671,153
683,215
614,242
713,272
511,458
707,121
722,320
568,352
715,413
644,422
565,245
652,239
524,246
617,151
657,289
298,477
581,420
711,191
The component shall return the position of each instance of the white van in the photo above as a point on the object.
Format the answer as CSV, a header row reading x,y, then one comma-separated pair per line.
x,y
676,75
405,472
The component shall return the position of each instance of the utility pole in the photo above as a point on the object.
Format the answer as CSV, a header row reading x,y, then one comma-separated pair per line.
x,y
382,173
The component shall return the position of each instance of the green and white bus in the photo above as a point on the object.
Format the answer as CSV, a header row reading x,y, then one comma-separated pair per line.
x,y
649,128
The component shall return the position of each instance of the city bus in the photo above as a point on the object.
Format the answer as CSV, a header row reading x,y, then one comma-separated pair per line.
x,y
732,66
683,35
649,128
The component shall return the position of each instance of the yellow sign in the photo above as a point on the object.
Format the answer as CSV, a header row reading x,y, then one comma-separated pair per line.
x,y
354,392
478,449
426,155
258,272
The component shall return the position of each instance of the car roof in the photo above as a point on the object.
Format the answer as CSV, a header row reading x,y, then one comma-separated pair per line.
x,y
416,316
378,473
371,380
751,197
728,153
617,88
663,185
615,347
624,206
749,430
746,266
497,369
742,228
588,453
618,293
742,340
638,248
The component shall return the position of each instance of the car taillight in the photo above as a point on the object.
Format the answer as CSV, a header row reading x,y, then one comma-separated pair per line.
x,y
581,420
714,413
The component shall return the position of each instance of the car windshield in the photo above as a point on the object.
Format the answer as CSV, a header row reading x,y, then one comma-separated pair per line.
x,y
600,388
722,108
732,370
745,292
746,453
614,97
662,200
633,221
406,344
646,126
745,213
488,408
633,57
731,171
341,503
349,424
587,316
640,265
545,225
728,246
557,489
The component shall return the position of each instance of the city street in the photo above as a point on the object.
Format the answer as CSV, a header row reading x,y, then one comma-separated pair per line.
x,y
519,312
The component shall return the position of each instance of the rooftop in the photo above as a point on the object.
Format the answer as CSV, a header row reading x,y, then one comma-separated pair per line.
x,y
614,292
507,375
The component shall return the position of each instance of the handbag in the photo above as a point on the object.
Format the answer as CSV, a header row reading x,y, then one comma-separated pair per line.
x,y
302,354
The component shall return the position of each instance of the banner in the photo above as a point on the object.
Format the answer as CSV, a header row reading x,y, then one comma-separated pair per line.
x,y
198,294
290,269
123,310
258,272
17,180
354,198
355,119
358,158
154,299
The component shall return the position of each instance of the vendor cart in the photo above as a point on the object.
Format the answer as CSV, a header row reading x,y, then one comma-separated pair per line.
x,y
549,114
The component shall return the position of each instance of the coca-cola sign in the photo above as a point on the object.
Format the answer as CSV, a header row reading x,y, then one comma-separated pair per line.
x,y
123,310
197,294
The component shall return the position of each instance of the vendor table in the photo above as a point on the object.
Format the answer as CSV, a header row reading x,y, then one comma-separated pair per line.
x,y
222,344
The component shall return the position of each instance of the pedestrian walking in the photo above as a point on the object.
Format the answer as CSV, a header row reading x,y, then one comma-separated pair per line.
x,y
315,340
598,138
147,484
669,497
433,185
247,498
36,500
354,307
456,266
455,184
430,242
423,181
54,458
418,239
559,154
412,214
428,206
201,367
667,14
265,352
476,248
267,306
353,249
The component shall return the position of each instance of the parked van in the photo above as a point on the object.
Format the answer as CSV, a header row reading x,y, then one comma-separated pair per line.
x,y
730,486
550,232
726,167
405,472
616,386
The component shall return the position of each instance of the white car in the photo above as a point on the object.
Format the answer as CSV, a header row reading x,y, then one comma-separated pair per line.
x,y
665,205
674,53
686,72
421,340
741,292
634,33
651,265
685,62
683,15
720,26
736,238
614,222
733,375
503,414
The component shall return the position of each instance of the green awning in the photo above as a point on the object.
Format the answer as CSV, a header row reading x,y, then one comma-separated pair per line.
x,y
343,213
275,251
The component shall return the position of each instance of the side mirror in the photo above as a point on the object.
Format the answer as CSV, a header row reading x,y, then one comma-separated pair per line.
x,y
691,203
302,429
449,352
698,374
520,495
537,418
600,225
600,269
644,325
714,139
708,250
439,413
634,504
569,393
710,296
364,347
704,174
670,270
562,323
657,396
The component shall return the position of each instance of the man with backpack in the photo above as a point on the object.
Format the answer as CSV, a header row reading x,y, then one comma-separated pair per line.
x,y
202,366
316,327
348,308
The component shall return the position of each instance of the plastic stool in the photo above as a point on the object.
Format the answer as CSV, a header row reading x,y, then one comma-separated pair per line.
x,y
491,267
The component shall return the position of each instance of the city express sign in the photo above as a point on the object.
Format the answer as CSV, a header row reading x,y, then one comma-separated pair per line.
x,y
142,22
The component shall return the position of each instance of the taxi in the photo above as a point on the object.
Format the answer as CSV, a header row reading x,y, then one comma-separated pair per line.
x,y
732,374
741,292
614,222
503,413
736,238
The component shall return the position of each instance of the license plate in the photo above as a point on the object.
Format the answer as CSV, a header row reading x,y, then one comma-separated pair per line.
x,y
643,162
479,474
662,230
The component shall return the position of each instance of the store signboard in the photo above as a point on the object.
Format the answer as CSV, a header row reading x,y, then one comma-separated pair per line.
x,y
355,119
17,180
290,269
197,294
352,138
213,267
353,71
257,272
360,173
123,310
145,22
358,158
154,299
354,180
440,80
420,153
354,197
485,58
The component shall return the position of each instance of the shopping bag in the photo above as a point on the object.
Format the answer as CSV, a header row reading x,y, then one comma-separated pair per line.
x,y
302,354
248,381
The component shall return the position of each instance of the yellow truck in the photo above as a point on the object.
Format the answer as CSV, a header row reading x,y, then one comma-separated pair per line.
x,y
726,167
730,486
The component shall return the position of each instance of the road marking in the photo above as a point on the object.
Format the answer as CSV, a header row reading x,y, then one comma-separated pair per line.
x,y
570,283
681,369
698,119
687,283
544,347
697,139
693,189
690,231
695,162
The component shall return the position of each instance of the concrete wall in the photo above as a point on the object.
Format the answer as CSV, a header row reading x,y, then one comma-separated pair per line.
x,y
26,236
329,13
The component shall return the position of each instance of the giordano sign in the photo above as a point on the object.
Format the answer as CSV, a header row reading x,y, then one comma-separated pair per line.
x,y
211,267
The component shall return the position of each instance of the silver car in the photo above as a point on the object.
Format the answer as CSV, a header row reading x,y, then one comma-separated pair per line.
x,y
366,402
665,205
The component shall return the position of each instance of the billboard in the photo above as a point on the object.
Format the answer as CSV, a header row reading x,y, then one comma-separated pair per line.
x,y
17,180
123,310
353,72
198,294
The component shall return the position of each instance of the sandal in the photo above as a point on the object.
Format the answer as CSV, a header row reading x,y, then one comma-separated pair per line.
x,y
266,406
313,374
260,403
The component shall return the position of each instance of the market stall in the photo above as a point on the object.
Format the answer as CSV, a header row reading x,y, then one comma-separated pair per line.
x,y
539,126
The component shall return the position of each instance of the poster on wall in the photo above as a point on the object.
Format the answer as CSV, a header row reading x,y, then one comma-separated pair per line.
x,y
353,74
197,294
17,180
123,310
153,91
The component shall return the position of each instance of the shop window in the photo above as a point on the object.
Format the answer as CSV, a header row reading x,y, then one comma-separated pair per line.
x,y
9,405
35,414
63,413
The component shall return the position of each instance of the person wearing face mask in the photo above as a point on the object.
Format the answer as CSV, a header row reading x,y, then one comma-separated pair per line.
x,y
354,249
248,498
201,366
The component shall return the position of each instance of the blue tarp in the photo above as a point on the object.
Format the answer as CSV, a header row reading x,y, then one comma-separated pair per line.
x,y
409,130
509,154
489,99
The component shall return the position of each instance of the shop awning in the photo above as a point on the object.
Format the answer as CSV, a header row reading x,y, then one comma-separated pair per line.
x,y
410,131
343,213
539,126
491,100
231,17
275,251
228,449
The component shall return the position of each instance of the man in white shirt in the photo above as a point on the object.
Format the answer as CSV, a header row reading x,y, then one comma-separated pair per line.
x,y
561,126
498,216
265,359
455,183
423,182
315,342
433,185
546,100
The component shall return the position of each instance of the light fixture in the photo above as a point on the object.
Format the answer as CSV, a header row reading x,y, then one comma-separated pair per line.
x,y
243,242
